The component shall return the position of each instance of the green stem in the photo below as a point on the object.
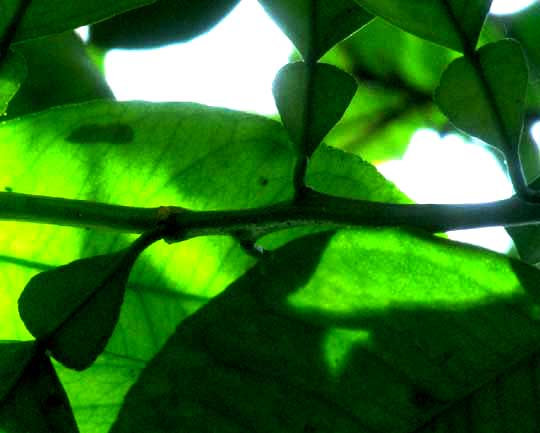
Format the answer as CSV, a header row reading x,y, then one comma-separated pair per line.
x,y
317,210
76,213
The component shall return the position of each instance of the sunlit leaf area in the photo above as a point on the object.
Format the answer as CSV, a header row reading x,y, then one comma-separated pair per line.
x,y
224,116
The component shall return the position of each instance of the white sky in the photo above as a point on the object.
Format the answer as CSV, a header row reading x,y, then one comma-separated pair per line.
x,y
234,65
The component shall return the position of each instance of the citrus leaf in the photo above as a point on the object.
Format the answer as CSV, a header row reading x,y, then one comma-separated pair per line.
x,y
36,402
47,17
316,26
14,357
74,308
163,22
52,62
311,99
494,114
393,331
12,74
455,24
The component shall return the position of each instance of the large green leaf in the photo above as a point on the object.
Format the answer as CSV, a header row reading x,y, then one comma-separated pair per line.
x,y
12,74
316,26
455,24
47,17
36,401
169,282
163,22
311,99
488,100
59,72
394,331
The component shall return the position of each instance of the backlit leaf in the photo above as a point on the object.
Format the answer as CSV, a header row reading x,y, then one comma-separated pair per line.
x,y
316,26
393,331
455,24
74,308
311,99
489,104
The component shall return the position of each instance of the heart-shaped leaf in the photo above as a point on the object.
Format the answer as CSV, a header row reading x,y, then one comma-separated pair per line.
x,y
12,73
487,99
75,307
315,26
311,99
455,24
32,399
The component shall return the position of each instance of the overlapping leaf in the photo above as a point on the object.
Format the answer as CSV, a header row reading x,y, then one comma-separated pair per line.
x,y
376,331
316,26
455,24
163,22
311,99
32,398
47,17
488,100
52,63
12,74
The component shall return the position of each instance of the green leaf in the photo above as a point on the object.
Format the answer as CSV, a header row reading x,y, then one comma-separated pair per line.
x,y
316,26
388,319
52,63
311,99
74,308
455,24
14,358
96,394
489,104
12,74
36,401
47,17
163,22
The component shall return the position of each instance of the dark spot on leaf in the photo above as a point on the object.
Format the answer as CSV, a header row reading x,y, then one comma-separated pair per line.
x,y
116,133
308,428
263,181
8,189
422,399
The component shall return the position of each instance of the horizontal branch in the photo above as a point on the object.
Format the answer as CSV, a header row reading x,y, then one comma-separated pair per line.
x,y
315,210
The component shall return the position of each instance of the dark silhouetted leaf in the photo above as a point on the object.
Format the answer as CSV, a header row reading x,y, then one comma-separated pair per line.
x,y
14,358
36,401
315,26
52,63
452,23
311,99
12,74
163,22
379,330
47,17
74,308
494,114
